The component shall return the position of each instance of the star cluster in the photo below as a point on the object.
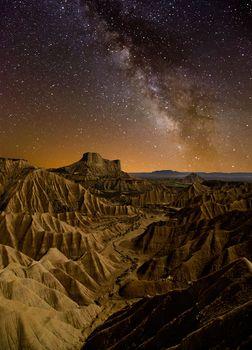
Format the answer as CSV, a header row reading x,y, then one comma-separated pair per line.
x,y
159,84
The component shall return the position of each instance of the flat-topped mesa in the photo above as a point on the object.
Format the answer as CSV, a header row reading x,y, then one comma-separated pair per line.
x,y
95,160
92,166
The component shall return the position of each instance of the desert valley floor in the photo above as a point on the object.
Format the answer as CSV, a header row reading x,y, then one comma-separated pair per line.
x,y
92,258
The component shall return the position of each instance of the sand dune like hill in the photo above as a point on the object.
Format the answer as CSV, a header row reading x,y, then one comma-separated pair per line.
x,y
35,294
80,274
192,318
79,243
157,195
35,234
218,193
42,191
37,302
12,171
39,330
54,271
55,257
36,271
9,256
12,168
98,266
52,277
79,270
92,270
36,327
75,218
97,206
76,290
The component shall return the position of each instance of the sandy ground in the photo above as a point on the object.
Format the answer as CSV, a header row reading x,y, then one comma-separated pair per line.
x,y
130,261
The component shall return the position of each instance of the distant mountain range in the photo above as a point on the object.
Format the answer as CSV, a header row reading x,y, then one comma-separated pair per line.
x,y
170,174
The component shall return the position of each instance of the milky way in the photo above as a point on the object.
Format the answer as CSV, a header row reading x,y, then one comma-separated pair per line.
x,y
159,84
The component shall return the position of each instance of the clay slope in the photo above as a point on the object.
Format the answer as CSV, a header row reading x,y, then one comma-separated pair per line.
x,y
71,233
35,234
193,242
213,313
158,194
42,306
184,250
42,191
75,247
48,303
223,196
12,171
52,268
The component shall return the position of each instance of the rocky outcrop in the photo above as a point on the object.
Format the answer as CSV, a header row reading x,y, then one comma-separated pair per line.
x,y
105,178
92,166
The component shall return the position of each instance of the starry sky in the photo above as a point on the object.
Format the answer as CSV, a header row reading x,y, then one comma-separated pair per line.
x,y
159,84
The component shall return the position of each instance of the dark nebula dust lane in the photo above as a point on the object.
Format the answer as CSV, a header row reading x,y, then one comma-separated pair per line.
x,y
158,84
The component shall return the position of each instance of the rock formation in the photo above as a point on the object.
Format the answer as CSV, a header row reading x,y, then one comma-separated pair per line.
x,y
92,166
191,178
93,258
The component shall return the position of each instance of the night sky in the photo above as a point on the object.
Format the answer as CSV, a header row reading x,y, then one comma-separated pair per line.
x,y
160,84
